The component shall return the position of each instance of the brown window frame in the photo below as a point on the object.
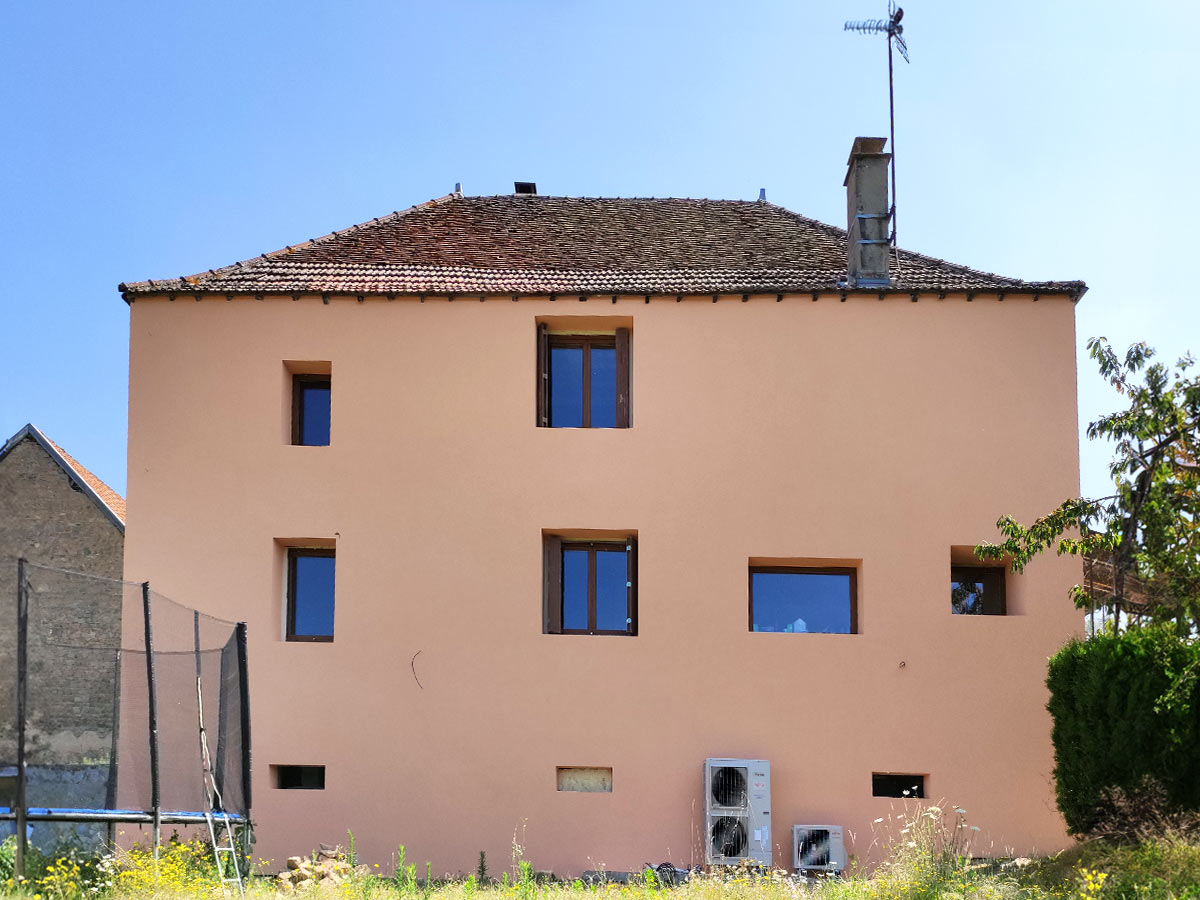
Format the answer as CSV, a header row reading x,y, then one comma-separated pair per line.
x,y
618,340
995,601
299,381
292,554
808,570
552,584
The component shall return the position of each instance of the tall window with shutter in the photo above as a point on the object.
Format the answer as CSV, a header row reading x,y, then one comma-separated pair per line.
x,y
589,587
583,379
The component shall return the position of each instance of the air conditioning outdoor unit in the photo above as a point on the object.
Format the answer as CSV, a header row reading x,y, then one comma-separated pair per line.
x,y
818,848
737,811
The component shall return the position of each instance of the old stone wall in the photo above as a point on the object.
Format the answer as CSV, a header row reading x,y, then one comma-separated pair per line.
x,y
75,623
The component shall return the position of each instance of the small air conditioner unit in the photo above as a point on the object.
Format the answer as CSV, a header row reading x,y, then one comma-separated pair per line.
x,y
818,848
737,811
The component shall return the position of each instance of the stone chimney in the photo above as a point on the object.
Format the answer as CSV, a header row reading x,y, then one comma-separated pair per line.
x,y
867,213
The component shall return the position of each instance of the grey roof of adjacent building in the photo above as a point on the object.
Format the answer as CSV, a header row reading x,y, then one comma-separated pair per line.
x,y
536,245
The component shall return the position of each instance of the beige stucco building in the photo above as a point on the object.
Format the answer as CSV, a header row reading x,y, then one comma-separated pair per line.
x,y
511,486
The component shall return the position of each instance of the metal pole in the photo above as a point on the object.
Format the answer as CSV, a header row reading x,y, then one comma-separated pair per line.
x,y
892,123
152,705
22,689
244,685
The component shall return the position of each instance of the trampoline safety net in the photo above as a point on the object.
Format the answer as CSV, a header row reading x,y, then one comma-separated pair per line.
x,y
125,706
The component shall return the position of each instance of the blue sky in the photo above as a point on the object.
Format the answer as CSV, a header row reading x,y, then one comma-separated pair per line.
x,y
1036,139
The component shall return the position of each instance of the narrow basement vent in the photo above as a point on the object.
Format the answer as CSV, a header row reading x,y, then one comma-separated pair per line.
x,y
891,784
299,778
585,779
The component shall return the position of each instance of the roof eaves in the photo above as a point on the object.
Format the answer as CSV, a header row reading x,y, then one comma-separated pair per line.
x,y
80,476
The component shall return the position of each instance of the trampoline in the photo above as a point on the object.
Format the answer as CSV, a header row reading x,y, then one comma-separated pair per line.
x,y
126,708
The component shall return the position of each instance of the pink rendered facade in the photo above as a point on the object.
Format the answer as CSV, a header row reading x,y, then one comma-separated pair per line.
x,y
863,432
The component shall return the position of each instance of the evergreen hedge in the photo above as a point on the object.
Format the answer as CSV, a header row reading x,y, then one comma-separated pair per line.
x,y
1126,714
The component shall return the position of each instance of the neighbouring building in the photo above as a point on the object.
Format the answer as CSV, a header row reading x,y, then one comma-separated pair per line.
x,y
55,513
534,503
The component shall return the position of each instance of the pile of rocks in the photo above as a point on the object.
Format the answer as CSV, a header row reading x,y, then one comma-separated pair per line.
x,y
327,868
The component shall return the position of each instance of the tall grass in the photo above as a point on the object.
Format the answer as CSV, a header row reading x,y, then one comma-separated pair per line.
x,y
926,856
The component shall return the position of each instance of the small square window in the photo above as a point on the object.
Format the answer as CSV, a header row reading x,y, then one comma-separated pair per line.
x,y
977,591
583,379
590,587
890,784
299,778
786,599
311,395
310,594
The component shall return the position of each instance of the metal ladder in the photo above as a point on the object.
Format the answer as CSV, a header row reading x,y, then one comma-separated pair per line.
x,y
218,820
225,855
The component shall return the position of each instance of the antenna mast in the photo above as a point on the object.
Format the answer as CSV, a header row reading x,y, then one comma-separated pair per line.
x,y
895,34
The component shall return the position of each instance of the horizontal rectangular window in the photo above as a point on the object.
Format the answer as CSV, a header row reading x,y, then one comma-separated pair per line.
x,y
299,778
890,784
977,591
585,779
310,594
803,599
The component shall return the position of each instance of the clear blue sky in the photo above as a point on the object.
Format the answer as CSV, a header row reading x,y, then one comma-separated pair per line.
x,y
141,140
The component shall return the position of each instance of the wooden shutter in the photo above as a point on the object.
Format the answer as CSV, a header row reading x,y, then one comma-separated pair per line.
x,y
552,584
622,377
631,589
543,376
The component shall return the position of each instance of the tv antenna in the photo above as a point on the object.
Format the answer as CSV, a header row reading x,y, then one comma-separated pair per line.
x,y
895,37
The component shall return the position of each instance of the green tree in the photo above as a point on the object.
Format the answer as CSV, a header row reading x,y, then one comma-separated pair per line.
x,y
1150,525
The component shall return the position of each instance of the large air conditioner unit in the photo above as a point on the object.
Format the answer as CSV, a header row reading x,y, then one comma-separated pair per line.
x,y
818,848
737,811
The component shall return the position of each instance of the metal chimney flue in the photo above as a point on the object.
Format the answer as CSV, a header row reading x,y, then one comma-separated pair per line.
x,y
868,213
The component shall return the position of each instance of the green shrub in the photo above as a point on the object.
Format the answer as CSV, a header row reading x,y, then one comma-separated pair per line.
x,y
1126,733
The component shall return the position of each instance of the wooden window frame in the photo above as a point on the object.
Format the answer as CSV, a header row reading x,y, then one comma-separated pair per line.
x,y
852,571
552,584
300,383
995,601
293,553
617,340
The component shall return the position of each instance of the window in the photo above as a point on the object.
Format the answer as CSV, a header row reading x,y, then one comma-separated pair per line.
x,y
804,599
583,379
585,779
977,590
590,587
888,784
310,410
299,778
310,594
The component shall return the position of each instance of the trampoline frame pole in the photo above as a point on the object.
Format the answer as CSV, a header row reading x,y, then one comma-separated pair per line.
x,y
244,685
22,690
152,706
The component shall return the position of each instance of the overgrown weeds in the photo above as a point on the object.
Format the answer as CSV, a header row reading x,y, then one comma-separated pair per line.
x,y
929,855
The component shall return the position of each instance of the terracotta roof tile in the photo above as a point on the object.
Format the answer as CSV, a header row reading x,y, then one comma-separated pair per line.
x,y
532,244
110,498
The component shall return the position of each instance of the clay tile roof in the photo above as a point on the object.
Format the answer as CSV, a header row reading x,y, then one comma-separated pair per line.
x,y
534,244
110,502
